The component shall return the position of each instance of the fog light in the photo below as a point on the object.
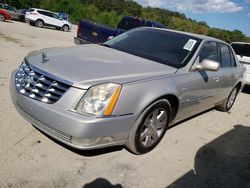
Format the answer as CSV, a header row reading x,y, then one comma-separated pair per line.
x,y
92,141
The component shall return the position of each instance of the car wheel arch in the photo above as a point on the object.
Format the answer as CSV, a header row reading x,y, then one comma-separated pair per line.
x,y
132,139
66,25
239,85
171,98
223,106
39,19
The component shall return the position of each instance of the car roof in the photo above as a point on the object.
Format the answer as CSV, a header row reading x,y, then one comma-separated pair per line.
x,y
202,37
135,17
42,10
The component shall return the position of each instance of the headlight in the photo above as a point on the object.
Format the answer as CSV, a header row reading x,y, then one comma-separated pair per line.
x,y
99,99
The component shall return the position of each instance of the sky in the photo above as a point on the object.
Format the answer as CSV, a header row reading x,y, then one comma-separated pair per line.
x,y
224,14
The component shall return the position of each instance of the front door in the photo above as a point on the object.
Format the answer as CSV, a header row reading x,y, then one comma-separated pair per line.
x,y
199,88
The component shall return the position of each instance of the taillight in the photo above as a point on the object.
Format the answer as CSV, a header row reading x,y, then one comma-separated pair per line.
x,y
33,13
78,29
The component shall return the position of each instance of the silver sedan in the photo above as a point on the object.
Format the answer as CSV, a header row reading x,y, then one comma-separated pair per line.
x,y
127,91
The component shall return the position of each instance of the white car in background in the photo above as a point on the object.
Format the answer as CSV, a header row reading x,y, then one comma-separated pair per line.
x,y
40,18
242,50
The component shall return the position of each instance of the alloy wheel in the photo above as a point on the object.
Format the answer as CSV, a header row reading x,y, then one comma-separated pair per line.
x,y
2,17
232,98
153,127
65,28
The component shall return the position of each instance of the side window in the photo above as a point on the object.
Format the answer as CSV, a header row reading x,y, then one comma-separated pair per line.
x,y
225,56
233,62
45,13
148,23
209,51
132,23
122,23
49,14
42,12
55,16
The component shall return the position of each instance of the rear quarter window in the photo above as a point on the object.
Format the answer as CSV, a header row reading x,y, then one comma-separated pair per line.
x,y
232,57
30,10
225,60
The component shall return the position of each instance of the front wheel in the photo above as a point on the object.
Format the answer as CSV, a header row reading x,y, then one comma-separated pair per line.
x,y
65,28
227,104
150,127
39,23
2,17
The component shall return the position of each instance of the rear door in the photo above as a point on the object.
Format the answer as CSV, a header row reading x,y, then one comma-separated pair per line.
x,y
228,72
56,20
44,15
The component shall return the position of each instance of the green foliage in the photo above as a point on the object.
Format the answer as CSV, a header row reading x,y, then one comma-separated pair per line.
x,y
228,36
110,12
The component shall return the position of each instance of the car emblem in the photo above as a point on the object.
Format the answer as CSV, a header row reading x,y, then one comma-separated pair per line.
x,y
44,57
95,34
29,79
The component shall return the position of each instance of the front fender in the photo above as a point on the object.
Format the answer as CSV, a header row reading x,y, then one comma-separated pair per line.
x,y
135,97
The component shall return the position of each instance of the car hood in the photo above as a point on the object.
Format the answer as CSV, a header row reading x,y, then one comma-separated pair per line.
x,y
91,64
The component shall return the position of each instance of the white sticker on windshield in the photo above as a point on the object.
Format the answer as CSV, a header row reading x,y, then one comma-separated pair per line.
x,y
190,44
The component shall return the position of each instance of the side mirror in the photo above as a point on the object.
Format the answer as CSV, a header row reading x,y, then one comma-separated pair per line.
x,y
208,65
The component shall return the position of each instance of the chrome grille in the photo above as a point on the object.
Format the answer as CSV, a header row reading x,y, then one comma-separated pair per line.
x,y
36,85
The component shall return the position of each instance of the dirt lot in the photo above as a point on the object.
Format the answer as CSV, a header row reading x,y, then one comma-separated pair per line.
x,y
210,150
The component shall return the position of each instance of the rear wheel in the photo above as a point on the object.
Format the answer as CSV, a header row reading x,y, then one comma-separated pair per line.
x,y
2,17
150,127
39,23
65,28
227,104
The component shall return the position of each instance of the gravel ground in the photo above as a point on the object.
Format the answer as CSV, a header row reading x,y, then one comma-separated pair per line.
x,y
210,150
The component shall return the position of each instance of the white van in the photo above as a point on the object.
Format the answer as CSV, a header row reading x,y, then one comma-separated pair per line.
x,y
242,50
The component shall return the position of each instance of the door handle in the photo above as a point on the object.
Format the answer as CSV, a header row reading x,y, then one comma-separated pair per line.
x,y
216,79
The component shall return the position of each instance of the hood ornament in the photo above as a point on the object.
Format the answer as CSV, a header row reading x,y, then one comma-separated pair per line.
x,y
44,57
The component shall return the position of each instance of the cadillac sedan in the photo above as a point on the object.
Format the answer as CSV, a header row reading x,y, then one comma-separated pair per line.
x,y
127,91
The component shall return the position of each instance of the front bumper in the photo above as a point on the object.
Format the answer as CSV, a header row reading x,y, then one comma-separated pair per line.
x,y
69,127
79,41
29,21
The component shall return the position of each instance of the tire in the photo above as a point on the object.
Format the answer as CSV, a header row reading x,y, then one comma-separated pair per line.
x,y
227,103
2,17
150,127
65,28
39,23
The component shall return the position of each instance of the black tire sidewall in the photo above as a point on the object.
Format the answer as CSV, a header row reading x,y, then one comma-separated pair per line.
x,y
65,26
227,109
162,104
36,23
2,15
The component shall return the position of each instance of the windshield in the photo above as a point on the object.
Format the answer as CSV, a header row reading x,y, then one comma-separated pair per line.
x,y
170,48
242,49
